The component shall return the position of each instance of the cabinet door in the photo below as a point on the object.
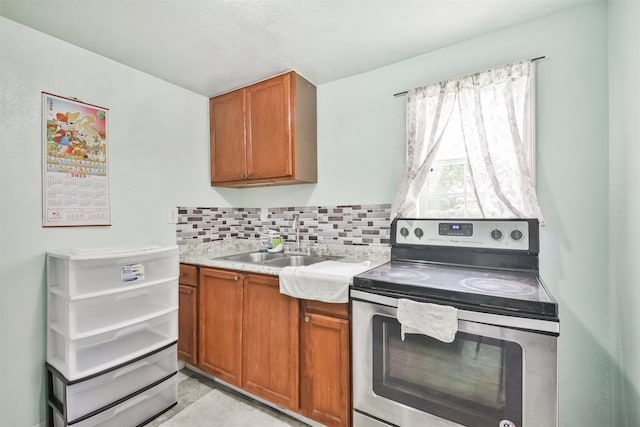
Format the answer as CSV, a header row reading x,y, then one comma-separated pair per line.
x,y
188,324
269,128
221,324
228,141
325,371
188,275
271,342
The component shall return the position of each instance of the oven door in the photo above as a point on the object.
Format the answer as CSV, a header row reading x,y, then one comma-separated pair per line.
x,y
489,376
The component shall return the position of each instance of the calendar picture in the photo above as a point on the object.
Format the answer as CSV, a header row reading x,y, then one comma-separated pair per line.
x,y
75,163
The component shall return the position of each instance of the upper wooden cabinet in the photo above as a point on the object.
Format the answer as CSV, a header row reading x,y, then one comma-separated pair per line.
x,y
228,143
265,134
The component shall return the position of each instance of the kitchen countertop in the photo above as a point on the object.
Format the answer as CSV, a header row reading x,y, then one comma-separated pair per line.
x,y
208,254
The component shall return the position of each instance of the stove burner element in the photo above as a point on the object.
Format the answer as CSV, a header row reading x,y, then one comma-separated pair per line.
x,y
401,273
495,286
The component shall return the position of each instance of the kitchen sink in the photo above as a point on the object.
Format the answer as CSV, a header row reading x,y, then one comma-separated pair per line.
x,y
277,260
295,260
254,257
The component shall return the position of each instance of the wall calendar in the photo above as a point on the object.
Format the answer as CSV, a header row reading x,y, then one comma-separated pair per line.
x,y
75,190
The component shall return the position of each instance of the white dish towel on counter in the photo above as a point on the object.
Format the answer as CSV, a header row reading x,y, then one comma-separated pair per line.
x,y
437,321
326,281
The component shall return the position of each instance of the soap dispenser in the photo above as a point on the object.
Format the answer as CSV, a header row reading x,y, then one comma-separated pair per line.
x,y
276,242
265,239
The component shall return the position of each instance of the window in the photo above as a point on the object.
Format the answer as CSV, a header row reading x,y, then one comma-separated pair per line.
x,y
449,190
471,151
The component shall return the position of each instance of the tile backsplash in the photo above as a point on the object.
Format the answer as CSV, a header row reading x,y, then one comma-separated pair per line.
x,y
341,225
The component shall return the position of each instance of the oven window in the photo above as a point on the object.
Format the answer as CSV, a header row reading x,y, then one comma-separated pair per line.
x,y
474,381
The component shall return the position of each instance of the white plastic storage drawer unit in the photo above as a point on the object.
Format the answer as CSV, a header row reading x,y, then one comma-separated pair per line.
x,y
81,273
87,356
112,328
82,317
135,411
109,306
82,399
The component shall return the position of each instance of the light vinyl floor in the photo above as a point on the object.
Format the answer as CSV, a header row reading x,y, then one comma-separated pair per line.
x,y
203,403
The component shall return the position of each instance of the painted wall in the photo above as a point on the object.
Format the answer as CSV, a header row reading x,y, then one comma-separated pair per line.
x,y
624,135
159,159
361,134
361,114
158,137
361,142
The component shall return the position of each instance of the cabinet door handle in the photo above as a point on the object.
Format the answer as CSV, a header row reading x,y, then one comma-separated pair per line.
x,y
236,277
306,319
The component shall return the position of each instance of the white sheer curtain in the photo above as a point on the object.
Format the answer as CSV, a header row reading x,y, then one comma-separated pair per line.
x,y
428,111
492,106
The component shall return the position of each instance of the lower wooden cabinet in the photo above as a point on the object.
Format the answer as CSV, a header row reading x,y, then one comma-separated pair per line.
x,y
289,352
188,324
188,314
325,379
270,342
221,324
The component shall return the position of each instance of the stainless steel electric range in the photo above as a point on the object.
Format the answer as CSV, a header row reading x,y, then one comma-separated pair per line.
x,y
501,368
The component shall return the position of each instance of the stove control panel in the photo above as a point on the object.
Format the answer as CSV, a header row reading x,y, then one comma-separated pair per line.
x,y
490,234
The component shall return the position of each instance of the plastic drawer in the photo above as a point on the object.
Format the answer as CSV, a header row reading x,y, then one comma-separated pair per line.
x,y
87,396
87,316
139,409
84,274
76,359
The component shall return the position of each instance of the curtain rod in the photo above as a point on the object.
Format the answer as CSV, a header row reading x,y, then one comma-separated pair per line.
x,y
406,91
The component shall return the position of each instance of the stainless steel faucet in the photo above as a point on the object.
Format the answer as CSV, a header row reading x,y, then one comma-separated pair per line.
x,y
296,228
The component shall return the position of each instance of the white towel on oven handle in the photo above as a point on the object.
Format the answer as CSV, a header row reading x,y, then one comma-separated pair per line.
x,y
434,320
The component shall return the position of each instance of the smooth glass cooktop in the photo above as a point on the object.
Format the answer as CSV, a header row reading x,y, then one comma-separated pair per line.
x,y
501,283
508,292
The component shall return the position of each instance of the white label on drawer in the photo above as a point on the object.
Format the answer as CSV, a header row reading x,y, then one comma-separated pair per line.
x,y
132,273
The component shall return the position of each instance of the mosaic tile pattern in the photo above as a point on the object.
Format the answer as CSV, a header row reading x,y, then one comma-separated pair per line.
x,y
340,225
208,224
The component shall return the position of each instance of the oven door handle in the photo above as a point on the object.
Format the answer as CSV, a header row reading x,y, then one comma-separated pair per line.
x,y
473,316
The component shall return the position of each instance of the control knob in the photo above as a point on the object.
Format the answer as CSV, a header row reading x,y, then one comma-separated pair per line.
x,y
516,234
404,231
419,233
496,234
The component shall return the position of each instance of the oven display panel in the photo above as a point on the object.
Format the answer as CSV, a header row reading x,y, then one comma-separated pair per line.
x,y
455,229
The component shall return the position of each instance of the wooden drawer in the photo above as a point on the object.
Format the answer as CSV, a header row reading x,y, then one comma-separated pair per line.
x,y
188,275
329,309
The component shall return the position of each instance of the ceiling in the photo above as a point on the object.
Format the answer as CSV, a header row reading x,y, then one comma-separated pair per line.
x,y
213,46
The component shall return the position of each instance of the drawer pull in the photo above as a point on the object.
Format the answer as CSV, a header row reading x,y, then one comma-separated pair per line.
x,y
133,329
132,402
306,319
132,295
131,368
